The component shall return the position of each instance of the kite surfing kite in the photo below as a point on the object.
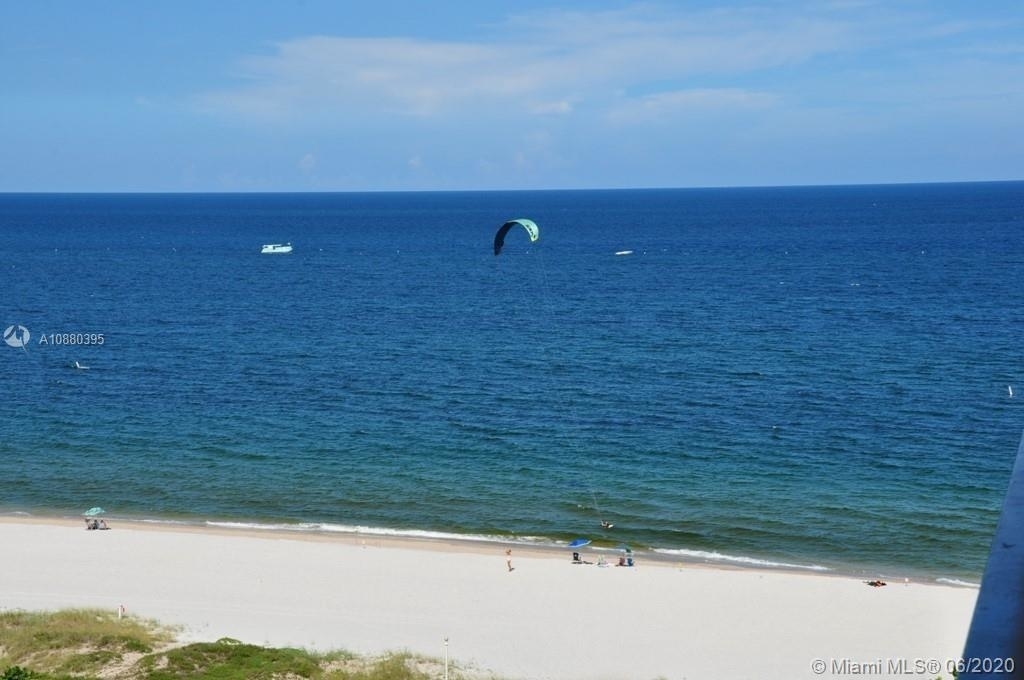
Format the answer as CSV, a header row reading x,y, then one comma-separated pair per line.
x,y
528,225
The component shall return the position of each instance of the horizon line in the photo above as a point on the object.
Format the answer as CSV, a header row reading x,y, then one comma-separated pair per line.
x,y
140,192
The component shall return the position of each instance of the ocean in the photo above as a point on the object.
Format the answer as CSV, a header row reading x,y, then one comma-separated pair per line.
x,y
821,378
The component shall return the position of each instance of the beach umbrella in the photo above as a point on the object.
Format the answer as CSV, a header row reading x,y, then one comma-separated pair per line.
x,y
576,544
92,512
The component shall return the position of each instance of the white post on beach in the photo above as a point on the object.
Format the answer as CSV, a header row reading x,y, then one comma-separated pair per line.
x,y
445,657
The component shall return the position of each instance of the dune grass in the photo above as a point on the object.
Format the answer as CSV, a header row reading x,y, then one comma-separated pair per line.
x,y
75,642
96,645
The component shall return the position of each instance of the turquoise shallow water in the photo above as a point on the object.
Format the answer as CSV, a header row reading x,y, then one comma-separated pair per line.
x,y
816,377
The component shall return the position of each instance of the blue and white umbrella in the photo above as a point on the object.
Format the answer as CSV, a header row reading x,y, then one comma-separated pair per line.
x,y
579,542
92,512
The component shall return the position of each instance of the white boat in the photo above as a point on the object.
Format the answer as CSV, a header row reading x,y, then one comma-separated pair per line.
x,y
271,248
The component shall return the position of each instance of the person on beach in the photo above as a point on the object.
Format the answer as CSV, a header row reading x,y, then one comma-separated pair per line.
x,y
508,558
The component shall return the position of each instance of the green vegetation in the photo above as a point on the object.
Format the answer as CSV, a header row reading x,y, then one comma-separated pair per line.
x,y
96,645
72,643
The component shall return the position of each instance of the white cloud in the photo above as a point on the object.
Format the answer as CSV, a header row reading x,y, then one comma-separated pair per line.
x,y
546,63
560,107
384,76
688,102
590,83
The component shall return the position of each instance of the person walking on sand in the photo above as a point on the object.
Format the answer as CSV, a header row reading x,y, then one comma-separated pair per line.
x,y
508,558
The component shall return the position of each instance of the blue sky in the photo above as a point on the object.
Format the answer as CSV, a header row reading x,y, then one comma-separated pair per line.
x,y
311,95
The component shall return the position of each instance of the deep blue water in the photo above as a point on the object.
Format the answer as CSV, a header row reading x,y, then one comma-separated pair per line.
x,y
808,376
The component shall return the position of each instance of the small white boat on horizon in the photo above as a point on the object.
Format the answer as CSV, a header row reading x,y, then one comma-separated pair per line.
x,y
276,248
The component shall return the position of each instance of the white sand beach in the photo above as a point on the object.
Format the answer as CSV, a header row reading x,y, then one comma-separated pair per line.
x,y
547,618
